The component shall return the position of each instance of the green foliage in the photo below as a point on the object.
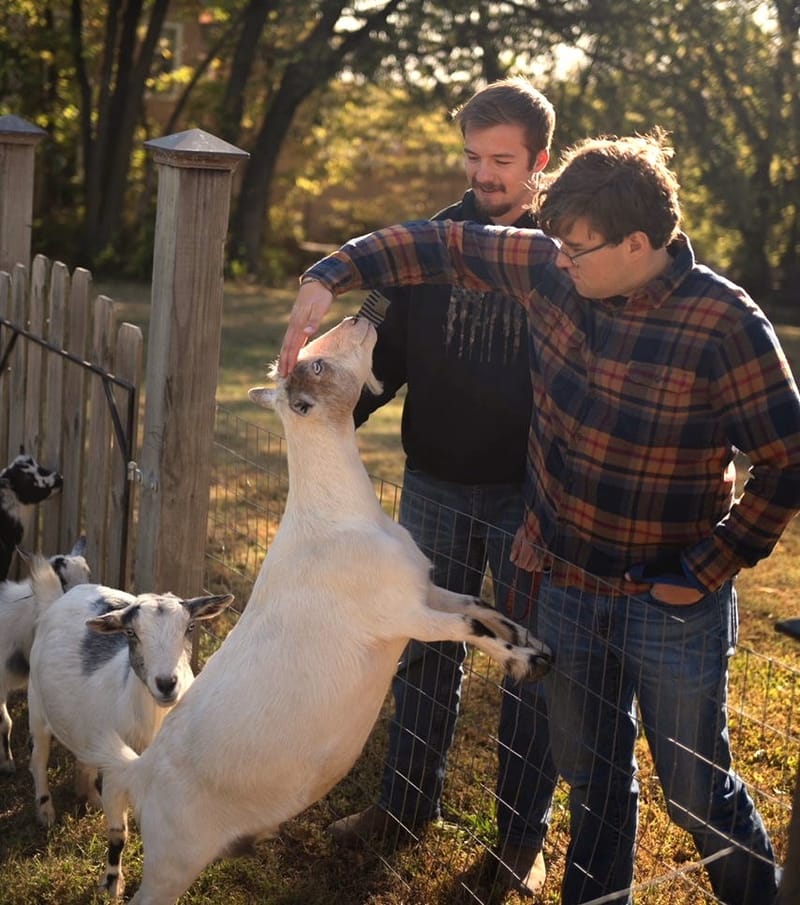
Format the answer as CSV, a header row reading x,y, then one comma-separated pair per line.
x,y
372,157
723,78
365,139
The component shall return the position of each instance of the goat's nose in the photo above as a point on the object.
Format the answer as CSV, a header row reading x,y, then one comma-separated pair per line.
x,y
166,684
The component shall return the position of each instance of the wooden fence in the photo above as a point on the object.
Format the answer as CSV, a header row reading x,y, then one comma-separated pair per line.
x,y
49,308
70,397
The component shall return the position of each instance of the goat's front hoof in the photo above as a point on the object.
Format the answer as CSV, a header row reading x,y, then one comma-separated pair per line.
x,y
45,812
113,883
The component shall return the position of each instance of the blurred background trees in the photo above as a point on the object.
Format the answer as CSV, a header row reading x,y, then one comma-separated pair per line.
x,y
345,111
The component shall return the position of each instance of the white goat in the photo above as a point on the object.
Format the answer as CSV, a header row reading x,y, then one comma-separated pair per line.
x,y
106,668
282,710
17,618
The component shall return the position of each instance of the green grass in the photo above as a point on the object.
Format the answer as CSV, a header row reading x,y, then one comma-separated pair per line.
x,y
61,866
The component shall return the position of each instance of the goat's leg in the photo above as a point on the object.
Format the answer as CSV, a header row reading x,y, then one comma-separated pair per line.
x,y
40,754
174,857
115,807
448,616
7,764
87,786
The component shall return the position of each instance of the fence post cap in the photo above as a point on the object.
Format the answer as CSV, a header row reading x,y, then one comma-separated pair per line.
x,y
19,130
195,148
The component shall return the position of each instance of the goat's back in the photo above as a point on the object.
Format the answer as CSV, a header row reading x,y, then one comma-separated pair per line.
x,y
71,665
17,619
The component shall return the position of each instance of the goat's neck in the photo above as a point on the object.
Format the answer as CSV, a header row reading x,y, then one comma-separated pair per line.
x,y
326,475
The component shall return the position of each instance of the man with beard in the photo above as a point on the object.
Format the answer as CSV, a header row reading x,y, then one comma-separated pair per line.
x,y
463,357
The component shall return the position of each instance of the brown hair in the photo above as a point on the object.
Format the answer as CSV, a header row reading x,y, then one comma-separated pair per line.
x,y
618,185
513,101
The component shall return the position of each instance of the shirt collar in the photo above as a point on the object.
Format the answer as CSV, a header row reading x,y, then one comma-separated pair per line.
x,y
659,290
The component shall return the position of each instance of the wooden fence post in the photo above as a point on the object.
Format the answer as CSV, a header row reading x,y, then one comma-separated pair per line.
x,y
195,173
18,140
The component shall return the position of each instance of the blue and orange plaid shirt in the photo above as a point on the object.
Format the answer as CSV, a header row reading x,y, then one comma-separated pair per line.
x,y
639,404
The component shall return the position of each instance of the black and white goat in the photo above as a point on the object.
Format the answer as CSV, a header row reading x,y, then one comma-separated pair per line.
x,y
106,668
23,482
17,618
282,710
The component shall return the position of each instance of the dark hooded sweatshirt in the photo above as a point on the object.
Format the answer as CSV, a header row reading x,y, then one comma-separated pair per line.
x,y
464,358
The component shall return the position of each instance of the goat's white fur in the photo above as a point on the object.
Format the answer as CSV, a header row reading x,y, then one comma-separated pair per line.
x,y
17,618
91,690
281,711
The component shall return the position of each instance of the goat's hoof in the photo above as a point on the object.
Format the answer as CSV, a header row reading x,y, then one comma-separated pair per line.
x,y
46,814
113,884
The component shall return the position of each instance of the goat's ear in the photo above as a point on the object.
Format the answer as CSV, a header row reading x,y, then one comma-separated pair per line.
x,y
374,385
208,607
263,396
25,555
80,546
109,624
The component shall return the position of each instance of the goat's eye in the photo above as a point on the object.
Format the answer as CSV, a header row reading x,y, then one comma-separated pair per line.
x,y
190,628
317,366
130,633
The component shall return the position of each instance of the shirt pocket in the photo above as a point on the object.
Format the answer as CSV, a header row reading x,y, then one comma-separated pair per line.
x,y
659,379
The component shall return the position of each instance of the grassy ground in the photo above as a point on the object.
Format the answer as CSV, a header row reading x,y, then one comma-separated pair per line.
x,y
60,867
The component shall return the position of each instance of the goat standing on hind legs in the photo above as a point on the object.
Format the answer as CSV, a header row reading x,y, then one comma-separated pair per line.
x,y
342,589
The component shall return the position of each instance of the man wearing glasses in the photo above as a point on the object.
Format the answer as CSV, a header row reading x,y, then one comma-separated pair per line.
x,y
649,372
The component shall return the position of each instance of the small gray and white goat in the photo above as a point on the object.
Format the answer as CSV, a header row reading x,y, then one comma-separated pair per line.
x,y
281,711
106,669
17,618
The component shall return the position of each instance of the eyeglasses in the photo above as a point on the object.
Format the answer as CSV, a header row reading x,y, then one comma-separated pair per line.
x,y
573,258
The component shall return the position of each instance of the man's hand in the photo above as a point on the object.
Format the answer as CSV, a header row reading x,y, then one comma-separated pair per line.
x,y
523,553
675,595
311,305
669,582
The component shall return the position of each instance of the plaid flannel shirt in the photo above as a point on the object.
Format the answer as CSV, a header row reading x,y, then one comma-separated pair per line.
x,y
639,403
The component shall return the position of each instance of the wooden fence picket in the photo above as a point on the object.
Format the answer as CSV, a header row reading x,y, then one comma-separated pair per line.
x,y
74,408
59,409
52,407
97,489
5,338
128,366
16,378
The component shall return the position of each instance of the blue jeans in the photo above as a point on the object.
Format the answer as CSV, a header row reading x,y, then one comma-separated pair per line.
x,y
461,528
674,660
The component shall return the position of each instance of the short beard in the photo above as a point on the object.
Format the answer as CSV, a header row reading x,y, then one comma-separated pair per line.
x,y
499,209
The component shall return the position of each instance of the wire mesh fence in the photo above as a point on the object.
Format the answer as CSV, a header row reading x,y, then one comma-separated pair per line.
x,y
454,857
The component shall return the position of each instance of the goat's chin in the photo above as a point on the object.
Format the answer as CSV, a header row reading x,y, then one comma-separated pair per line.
x,y
169,701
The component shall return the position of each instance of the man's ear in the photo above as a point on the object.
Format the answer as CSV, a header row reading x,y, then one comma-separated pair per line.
x,y
638,243
541,161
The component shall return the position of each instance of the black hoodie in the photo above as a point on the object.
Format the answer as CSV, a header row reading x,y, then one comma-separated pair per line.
x,y
464,357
